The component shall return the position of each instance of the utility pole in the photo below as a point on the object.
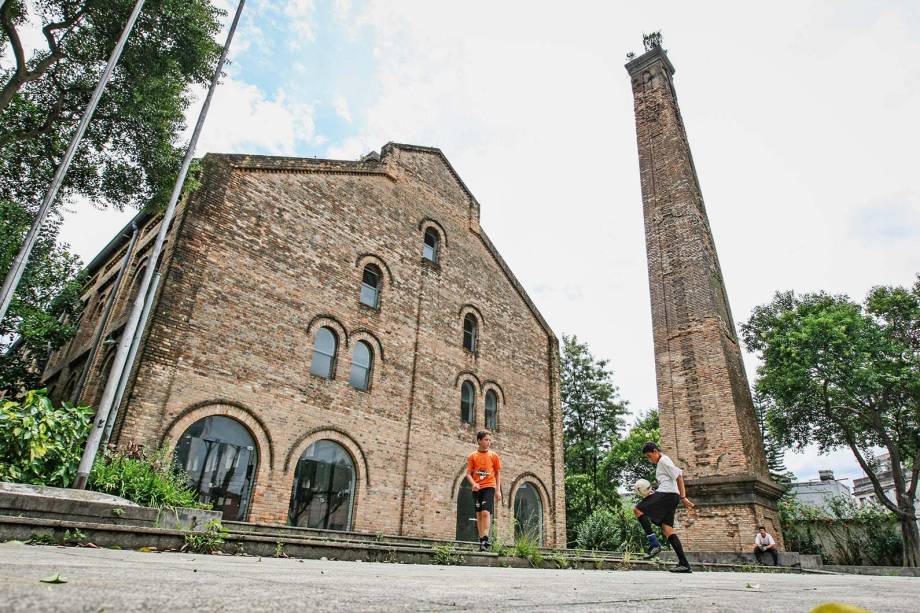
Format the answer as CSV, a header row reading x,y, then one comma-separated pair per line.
x,y
22,258
131,327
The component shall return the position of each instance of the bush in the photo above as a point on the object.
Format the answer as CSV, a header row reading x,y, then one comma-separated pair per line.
x,y
842,532
149,478
39,444
611,530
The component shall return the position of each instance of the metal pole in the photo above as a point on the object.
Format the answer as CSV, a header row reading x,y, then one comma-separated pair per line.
x,y
22,258
104,321
127,336
132,354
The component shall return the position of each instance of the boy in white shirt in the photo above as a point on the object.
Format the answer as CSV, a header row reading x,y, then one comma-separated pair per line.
x,y
659,506
764,542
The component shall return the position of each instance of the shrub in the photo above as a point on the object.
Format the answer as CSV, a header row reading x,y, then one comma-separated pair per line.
x,y
611,530
842,532
149,478
40,444
526,547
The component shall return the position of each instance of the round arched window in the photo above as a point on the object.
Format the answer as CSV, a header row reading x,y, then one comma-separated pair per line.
x,y
220,456
362,360
528,514
324,349
470,332
432,243
370,286
466,402
491,410
324,488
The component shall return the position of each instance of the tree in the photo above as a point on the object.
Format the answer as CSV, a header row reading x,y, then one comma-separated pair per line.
x,y
840,374
44,312
624,464
772,449
593,414
128,156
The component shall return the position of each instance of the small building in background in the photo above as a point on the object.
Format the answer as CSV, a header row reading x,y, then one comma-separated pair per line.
x,y
865,493
818,493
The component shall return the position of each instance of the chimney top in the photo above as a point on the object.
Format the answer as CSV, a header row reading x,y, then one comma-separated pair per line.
x,y
826,475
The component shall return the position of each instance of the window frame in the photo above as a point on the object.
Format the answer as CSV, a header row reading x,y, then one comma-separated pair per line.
x,y
494,425
472,403
332,358
473,347
368,369
377,290
435,249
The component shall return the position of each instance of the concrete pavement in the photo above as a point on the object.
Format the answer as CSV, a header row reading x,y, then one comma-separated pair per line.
x,y
112,580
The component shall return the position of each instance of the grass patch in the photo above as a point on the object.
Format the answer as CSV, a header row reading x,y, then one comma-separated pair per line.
x,y
208,541
447,555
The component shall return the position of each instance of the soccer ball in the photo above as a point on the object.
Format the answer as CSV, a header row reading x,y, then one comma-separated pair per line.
x,y
643,487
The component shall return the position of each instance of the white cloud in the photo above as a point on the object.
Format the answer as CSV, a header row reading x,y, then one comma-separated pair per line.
x,y
300,14
340,104
242,119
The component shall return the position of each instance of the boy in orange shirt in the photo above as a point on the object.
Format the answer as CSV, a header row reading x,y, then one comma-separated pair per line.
x,y
482,471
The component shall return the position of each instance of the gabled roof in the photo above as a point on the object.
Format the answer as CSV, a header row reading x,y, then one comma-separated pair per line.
x,y
490,247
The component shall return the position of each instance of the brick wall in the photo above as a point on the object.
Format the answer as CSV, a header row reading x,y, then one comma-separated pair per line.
x,y
271,249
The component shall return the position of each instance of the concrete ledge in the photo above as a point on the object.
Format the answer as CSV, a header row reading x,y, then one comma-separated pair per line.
x,y
136,537
94,507
881,571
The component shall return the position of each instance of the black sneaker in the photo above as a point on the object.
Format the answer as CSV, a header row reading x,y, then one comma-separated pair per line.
x,y
482,545
680,568
486,545
652,552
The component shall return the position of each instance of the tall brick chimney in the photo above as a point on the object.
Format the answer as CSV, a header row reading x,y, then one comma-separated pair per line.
x,y
708,424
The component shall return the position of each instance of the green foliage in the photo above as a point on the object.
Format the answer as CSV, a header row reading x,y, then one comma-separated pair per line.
x,y
128,156
842,532
447,554
625,464
41,539
40,444
839,374
207,541
149,478
559,560
528,548
611,530
45,309
593,415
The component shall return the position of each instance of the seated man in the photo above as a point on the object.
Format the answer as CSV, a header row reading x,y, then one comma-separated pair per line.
x,y
764,542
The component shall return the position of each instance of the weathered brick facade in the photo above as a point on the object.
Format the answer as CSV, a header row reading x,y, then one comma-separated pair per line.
x,y
708,424
269,250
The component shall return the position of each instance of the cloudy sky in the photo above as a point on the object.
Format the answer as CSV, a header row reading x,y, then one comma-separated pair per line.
x,y
802,117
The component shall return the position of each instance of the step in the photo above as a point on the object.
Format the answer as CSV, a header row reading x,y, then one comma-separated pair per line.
x,y
55,531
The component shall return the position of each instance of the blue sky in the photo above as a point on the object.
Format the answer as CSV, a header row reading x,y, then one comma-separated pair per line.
x,y
801,116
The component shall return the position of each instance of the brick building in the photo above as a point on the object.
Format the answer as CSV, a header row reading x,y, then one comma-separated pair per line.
x,y
325,340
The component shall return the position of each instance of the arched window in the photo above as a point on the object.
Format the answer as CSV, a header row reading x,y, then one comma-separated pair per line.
x,y
136,285
370,286
220,457
466,402
362,360
470,332
491,410
430,250
466,514
324,488
324,348
528,514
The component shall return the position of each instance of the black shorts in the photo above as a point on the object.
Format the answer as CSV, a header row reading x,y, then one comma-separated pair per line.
x,y
659,507
484,500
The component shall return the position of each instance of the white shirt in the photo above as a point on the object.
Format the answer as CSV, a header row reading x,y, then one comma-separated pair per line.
x,y
666,473
764,541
